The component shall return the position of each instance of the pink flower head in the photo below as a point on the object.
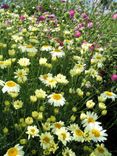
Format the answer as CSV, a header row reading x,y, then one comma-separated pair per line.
x,y
5,6
114,77
39,8
92,47
22,18
114,16
41,18
71,13
77,34
90,25
85,16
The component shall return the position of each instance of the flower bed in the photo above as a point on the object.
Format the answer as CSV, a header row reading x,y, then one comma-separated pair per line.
x,y
57,80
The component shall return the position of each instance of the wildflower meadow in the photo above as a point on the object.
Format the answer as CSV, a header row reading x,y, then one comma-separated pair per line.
x,y
58,79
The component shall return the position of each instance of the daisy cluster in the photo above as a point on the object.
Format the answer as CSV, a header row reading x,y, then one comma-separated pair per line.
x,y
52,89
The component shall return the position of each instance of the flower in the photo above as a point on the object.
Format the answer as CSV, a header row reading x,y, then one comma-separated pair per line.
x,y
78,134
32,131
68,152
46,48
77,34
57,53
109,95
90,104
57,125
15,151
28,48
90,25
41,18
44,78
17,104
46,139
40,94
114,77
114,16
56,99
63,135
71,13
43,61
10,86
24,62
90,118
96,133
100,150
21,75
51,81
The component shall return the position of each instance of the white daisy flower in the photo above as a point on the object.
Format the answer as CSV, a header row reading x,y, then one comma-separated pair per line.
x,y
100,150
96,133
63,135
46,139
51,82
57,53
24,62
61,79
44,78
68,152
90,119
46,48
78,134
109,95
15,151
56,99
32,131
11,86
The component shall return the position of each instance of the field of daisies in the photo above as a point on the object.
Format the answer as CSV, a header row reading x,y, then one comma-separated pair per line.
x,y
58,79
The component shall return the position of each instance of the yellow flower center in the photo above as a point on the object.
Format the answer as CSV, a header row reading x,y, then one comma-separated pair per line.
x,y
46,139
45,77
33,131
56,96
29,46
108,93
10,84
100,149
1,62
57,51
96,133
12,152
78,132
91,120
64,135
46,46
67,41
58,125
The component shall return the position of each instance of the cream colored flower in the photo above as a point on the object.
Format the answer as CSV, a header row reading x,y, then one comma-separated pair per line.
x,y
21,75
24,62
15,151
90,104
61,79
11,86
96,133
17,104
57,53
68,152
40,94
46,48
109,95
63,135
56,99
32,131
46,139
